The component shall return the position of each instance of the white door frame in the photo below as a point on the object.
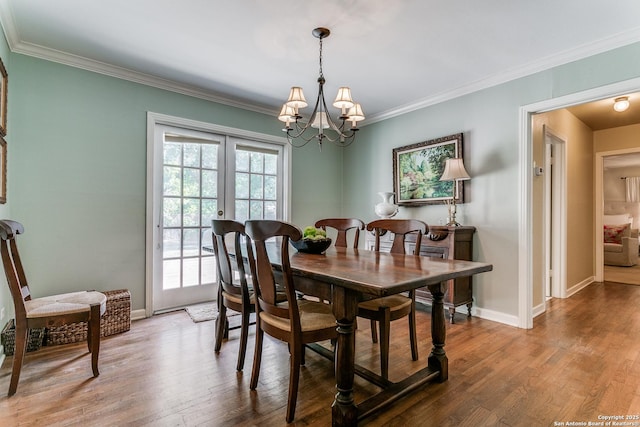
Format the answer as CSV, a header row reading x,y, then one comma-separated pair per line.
x,y
525,222
154,119
599,172
555,211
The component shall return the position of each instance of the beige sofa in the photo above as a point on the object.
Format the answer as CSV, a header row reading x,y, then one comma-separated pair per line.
x,y
620,242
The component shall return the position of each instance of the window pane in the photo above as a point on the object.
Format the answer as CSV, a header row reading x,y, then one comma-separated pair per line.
x,y
171,241
171,274
256,186
210,156
209,211
191,242
257,162
190,272
172,181
192,155
171,212
209,183
191,213
191,182
242,210
172,153
242,185
270,183
270,210
256,210
242,161
209,272
271,164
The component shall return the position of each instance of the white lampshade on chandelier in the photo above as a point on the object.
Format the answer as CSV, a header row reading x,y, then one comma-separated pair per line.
x,y
320,118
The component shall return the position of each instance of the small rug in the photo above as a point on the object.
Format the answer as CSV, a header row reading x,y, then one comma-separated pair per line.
x,y
206,311
202,312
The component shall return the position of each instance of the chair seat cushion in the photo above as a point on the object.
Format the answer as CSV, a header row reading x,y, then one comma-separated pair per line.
x,y
313,316
73,302
394,302
237,298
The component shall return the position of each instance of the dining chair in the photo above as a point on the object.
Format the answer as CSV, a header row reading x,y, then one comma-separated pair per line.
x,y
342,225
295,321
49,311
387,309
232,294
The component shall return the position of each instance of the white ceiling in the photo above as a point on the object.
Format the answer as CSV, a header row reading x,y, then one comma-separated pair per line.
x,y
395,55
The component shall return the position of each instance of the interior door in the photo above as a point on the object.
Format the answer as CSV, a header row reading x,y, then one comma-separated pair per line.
x,y
188,193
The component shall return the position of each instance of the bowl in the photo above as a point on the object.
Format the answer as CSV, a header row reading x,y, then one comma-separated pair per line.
x,y
311,246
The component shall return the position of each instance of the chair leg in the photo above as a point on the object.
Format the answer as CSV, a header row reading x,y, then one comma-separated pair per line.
x,y
412,332
18,355
244,335
385,331
94,332
257,356
294,376
374,331
221,322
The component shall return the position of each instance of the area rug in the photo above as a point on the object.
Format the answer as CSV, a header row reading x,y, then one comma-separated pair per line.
x,y
207,311
202,312
626,275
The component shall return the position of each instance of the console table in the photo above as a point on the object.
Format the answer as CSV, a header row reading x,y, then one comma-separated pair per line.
x,y
441,242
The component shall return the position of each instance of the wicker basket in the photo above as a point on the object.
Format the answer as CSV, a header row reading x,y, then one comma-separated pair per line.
x,y
115,320
8,338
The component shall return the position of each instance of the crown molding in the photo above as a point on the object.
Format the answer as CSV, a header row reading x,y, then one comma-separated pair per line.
x,y
565,57
17,46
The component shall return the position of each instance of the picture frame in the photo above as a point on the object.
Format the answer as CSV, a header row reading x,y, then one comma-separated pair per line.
x,y
3,171
4,85
417,169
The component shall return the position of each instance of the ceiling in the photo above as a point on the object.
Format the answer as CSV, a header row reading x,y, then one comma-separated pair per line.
x,y
396,56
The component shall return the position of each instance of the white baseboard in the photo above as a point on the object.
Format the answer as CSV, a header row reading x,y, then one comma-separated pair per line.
x,y
539,309
496,316
580,286
138,314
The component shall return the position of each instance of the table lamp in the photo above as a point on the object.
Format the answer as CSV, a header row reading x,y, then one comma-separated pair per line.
x,y
454,171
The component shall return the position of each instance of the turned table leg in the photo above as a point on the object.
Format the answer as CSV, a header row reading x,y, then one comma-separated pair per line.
x,y
438,358
344,411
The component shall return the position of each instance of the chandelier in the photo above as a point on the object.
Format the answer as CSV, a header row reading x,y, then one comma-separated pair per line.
x,y
320,119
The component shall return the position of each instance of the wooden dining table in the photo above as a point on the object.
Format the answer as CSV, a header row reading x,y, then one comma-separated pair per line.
x,y
348,276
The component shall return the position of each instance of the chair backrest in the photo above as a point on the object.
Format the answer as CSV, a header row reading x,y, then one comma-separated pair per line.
x,y
13,266
221,228
400,228
342,225
262,272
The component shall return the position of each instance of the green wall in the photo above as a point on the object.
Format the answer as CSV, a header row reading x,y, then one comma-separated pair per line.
x,y
77,173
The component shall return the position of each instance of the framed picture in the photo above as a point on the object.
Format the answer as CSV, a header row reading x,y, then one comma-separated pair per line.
x,y
4,84
417,169
3,170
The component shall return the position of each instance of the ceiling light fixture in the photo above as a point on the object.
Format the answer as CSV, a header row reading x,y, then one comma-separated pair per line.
x,y
621,104
320,119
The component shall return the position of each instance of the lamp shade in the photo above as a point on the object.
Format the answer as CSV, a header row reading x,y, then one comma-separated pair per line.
x,y
454,171
320,119
287,114
296,98
343,99
355,113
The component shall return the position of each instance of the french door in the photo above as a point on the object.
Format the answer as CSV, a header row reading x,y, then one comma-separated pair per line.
x,y
196,176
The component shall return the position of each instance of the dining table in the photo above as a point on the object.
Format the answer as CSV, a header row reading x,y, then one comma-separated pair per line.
x,y
345,277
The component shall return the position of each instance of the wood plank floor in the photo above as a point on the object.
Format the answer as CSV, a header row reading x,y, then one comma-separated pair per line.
x,y
581,360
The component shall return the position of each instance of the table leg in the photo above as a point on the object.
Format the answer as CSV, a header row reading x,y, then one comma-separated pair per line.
x,y
438,358
345,305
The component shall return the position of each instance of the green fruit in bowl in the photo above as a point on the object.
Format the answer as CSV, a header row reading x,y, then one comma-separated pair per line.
x,y
309,231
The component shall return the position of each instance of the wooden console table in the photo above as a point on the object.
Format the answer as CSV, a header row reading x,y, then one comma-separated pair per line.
x,y
441,242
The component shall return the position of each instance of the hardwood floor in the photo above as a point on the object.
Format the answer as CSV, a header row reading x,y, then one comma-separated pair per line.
x,y
581,360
